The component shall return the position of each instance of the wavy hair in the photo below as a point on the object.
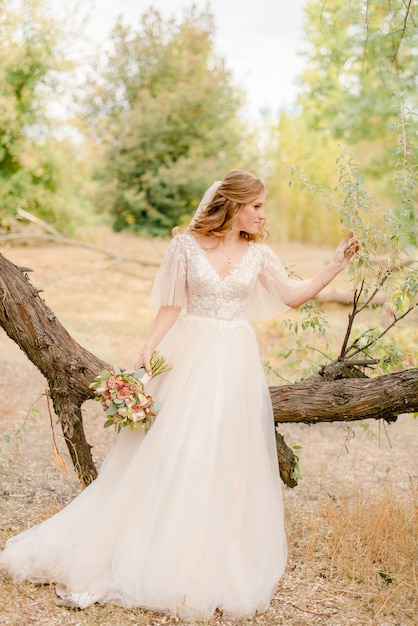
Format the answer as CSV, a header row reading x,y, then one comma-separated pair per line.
x,y
237,189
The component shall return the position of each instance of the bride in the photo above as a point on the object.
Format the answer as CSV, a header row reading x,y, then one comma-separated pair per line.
x,y
188,518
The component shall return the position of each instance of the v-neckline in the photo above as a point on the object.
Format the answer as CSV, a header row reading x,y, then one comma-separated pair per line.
x,y
214,270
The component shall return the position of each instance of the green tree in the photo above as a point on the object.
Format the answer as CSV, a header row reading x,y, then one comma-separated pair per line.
x,y
359,88
359,55
166,111
36,170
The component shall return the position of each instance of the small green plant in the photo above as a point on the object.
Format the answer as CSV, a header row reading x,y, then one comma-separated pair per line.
x,y
12,443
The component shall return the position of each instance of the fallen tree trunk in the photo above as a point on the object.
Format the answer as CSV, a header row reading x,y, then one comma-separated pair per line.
x,y
69,369
345,400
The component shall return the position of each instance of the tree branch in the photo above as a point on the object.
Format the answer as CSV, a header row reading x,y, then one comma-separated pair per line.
x,y
405,22
382,397
361,349
50,234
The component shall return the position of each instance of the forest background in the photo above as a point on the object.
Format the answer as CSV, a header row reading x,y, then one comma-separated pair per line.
x,y
157,118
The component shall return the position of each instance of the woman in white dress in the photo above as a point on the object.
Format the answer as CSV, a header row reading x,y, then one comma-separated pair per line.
x,y
188,518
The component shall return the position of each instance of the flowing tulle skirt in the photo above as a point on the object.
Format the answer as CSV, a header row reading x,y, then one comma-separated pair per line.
x,y
187,518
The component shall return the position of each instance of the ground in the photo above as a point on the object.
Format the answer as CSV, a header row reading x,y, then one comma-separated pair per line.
x,y
351,522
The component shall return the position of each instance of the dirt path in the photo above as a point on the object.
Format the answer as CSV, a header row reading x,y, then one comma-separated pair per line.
x,y
106,311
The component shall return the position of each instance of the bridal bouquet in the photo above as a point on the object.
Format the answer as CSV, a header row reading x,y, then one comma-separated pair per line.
x,y
123,397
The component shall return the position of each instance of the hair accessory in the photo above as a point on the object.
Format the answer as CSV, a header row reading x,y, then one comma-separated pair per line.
x,y
207,197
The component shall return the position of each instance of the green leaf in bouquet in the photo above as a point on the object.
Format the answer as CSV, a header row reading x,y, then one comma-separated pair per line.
x,y
108,423
112,409
118,400
117,369
156,406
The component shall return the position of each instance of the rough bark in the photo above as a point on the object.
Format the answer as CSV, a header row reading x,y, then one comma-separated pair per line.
x,y
69,369
288,462
67,366
316,400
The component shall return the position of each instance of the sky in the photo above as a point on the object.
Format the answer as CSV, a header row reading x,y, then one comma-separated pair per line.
x,y
259,40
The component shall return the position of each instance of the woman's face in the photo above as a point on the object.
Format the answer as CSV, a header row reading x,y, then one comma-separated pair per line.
x,y
252,215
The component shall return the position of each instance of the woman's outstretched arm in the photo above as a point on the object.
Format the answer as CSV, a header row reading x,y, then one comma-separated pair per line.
x,y
343,254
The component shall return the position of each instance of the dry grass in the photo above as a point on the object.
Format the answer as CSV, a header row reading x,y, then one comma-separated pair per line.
x,y
364,544
351,523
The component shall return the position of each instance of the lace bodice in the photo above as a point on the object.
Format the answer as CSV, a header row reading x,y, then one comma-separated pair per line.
x,y
210,295
257,286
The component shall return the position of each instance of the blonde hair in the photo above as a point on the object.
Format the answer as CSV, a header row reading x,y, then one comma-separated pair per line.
x,y
237,189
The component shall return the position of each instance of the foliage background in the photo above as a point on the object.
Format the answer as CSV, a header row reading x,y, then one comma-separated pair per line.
x,y
158,118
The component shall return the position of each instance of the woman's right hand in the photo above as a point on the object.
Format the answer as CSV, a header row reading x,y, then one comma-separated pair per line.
x,y
144,360
347,248
164,320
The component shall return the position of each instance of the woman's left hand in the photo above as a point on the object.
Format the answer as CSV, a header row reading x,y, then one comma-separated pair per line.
x,y
345,251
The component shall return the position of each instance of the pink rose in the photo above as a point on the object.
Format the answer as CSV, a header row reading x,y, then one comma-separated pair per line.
x,y
115,382
123,393
127,390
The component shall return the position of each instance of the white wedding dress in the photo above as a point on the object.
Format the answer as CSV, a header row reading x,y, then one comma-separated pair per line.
x,y
187,518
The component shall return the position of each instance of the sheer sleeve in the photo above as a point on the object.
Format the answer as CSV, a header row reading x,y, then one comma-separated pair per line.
x,y
274,290
170,284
